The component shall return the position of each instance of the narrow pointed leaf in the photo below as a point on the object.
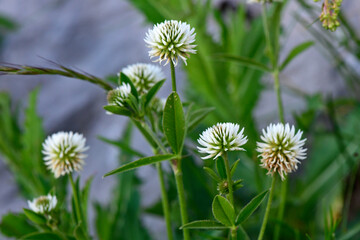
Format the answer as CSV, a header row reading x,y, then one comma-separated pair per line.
x,y
35,217
197,116
117,110
125,79
220,167
250,207
295,52
233,167
247,62
174,122
212,174
204,224
124,146
141,162
42,236
223,211
152,92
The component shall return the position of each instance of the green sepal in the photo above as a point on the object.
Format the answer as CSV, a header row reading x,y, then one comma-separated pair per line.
x,y
118,110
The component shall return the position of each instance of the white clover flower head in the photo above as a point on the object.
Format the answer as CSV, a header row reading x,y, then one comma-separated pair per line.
x,y
281,150
143,76
118,95
171,40
220,138
63,152
43,204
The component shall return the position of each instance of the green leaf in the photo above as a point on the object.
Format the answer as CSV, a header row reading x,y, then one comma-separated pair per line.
x,y
35,217
223,211
152,92
85,196
237,184
250,208
141,162
124,146
351,232
80,233
15,225
7,23
197,116
233,167
220,167
203,224
247,62
42,236
117,110
125,79
33,137
295,52
212,174
174,122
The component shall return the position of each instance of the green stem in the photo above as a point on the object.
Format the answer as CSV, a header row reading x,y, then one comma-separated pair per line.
x,y
77,201
228,175
234,233
267,34
231,191
176,165
348,197
173,77
268,207
165,201
278,95
280,216
284,183
151,137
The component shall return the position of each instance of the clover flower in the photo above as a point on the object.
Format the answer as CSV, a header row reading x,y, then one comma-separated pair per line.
x,y
281,150
143,76
43,204
64,152
220,138
118,95
171,40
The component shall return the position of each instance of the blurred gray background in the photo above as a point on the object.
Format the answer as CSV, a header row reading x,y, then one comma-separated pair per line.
x,y
101,37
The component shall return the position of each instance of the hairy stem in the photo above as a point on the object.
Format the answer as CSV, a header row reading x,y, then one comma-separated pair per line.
x,y
231,191
267,211
165,201
173,77
176,165
228,175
